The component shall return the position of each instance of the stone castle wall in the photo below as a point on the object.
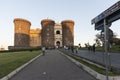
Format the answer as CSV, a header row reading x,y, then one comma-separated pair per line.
x,y
35,37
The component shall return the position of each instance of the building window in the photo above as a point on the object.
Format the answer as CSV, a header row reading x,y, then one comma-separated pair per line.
x,y
58,32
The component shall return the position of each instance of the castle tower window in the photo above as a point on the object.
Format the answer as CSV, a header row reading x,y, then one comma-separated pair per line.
x,y
58,32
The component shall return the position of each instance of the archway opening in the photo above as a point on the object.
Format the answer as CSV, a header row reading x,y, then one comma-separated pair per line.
x,y
57,32
58,44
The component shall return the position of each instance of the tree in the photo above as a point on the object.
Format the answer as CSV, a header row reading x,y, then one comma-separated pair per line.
x,y
100,37
116,41
98,42
87,45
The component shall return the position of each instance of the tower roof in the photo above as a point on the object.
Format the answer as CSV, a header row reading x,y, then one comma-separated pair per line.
x,y
68,21
21,19
47,20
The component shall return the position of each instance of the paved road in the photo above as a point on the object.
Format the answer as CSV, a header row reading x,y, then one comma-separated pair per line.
x,y
52,66
99,57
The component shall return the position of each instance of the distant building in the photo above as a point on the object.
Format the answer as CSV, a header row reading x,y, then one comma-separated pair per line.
x,y
2,48
51,35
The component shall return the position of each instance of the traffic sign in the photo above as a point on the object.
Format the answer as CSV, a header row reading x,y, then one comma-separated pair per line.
x,y
106,13
111,14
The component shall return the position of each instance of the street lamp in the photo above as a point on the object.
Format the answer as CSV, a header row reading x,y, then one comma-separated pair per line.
x,y
103,42
107,44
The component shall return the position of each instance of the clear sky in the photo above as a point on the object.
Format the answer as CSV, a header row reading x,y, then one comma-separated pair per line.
x,y
80,11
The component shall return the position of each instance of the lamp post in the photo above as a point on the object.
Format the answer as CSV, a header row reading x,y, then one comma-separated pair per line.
x,y
110,15
106,46
103,43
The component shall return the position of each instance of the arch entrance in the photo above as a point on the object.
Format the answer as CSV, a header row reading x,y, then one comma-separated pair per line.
x,y
58,44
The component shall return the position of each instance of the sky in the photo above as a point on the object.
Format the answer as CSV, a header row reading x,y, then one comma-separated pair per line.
x,y
80,11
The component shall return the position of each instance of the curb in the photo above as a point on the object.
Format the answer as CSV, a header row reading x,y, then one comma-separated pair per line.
x,y
18,69
90,71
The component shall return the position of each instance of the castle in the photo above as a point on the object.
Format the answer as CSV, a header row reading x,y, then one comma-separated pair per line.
x,y
51,35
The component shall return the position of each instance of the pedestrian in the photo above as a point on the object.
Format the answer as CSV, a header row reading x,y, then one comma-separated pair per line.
x,y
72,49
79,46
88,48
93,47
76,49
43,51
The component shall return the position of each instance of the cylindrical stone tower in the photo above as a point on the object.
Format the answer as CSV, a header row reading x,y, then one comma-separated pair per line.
x,y
68,32
47,33
22,31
